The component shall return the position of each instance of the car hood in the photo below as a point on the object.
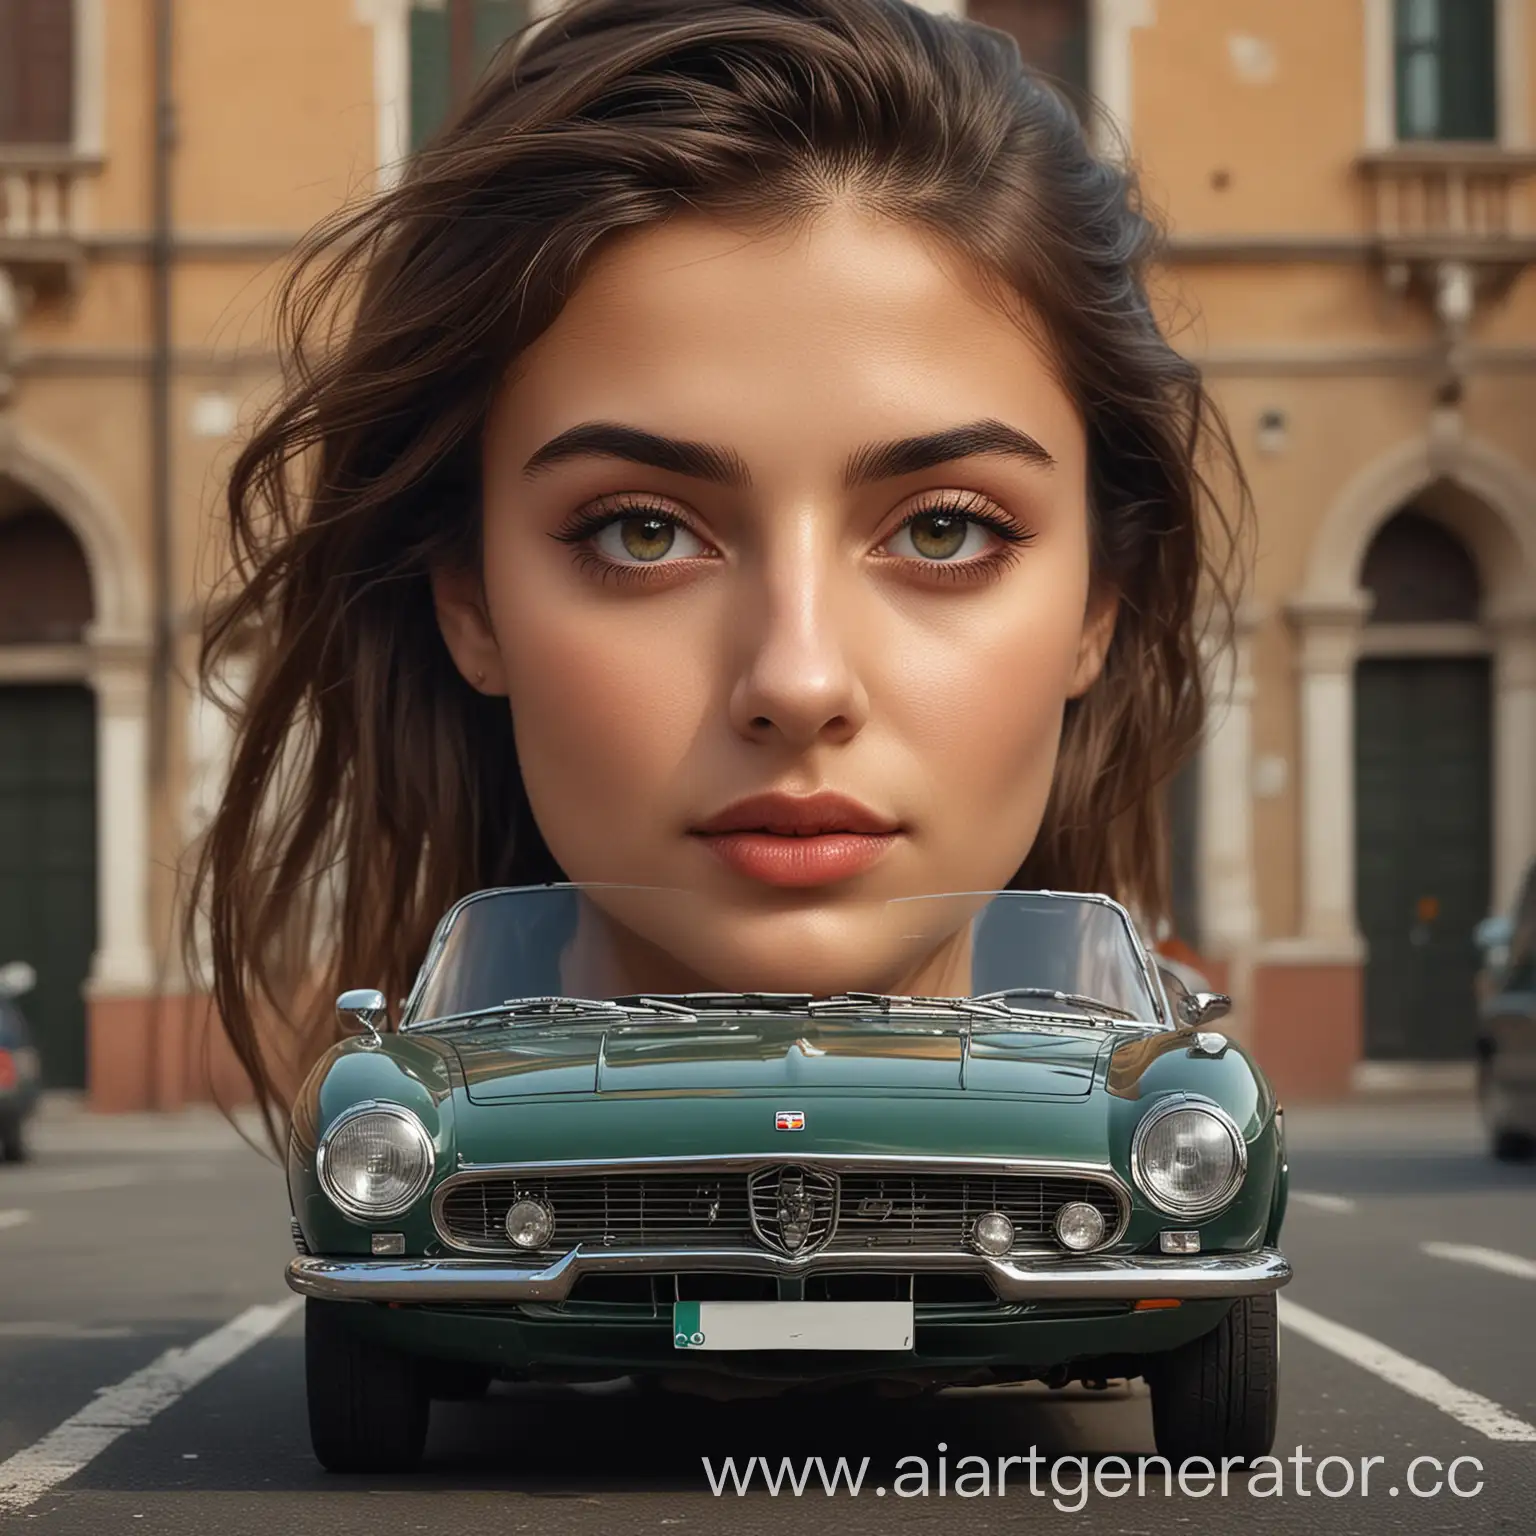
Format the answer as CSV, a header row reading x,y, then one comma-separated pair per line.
x,y
775,1056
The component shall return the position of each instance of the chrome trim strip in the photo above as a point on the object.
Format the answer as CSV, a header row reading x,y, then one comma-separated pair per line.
x,y
1110,1278
747,1163
854,1161
1171,1104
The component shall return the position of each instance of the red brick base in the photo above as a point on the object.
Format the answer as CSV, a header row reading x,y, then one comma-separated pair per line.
x,y
1307,1028
159,1053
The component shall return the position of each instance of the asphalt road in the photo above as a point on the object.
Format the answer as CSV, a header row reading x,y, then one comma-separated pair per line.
x,y
151,1375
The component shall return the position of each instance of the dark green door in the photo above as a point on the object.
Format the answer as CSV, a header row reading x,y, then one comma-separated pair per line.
x,y
1423,837
48,862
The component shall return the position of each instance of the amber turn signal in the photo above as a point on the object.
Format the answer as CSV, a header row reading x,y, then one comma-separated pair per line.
x,y
1156,1304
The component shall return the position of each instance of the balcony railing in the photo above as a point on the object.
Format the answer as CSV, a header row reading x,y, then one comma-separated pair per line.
x,y
1434,203
40,212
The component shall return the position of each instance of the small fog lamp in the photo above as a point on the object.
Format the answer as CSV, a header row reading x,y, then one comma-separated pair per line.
x,y
530,1224
993,1233
1079,1226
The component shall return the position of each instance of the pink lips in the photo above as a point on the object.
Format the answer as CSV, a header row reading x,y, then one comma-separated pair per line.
x,y
799,840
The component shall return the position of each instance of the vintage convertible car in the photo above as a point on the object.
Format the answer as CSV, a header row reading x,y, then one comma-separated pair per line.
x,y
1049,1172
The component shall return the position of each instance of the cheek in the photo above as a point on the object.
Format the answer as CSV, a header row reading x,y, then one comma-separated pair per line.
x,y
980,710
604,710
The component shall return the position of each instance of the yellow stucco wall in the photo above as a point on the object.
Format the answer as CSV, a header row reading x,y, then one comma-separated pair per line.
x,y
1247,117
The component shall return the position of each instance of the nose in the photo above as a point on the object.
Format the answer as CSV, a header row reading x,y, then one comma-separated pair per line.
x,y
799,683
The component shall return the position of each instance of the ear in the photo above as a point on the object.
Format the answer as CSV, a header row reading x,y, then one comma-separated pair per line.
x,y
1099,620
459,600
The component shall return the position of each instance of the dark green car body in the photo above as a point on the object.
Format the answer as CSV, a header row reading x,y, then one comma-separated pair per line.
x,y
950,1097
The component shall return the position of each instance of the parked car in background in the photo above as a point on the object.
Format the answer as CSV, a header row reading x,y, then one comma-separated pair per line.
x,y
1506,1037
19,1068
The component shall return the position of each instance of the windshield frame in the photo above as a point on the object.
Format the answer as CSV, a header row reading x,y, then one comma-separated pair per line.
x,y
1146,966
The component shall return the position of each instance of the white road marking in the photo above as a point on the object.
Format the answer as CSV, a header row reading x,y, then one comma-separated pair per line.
x,y
131,1404
1323,1202
1468,1408
44,1330
84,1180
1488,1258
13,1218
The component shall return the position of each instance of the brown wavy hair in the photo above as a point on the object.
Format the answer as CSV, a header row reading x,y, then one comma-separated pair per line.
x,y
368,787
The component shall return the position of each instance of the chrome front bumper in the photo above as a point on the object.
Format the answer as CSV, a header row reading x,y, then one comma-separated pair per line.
x,y
1109,1278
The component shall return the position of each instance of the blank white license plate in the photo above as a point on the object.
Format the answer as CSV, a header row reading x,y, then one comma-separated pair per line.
x,y
837,1325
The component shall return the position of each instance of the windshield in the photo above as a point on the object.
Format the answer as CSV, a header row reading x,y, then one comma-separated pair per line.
x,y
546,950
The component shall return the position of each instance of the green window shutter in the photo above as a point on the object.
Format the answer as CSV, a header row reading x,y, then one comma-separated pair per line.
x,y
1446,70
431,89
495,22
434,90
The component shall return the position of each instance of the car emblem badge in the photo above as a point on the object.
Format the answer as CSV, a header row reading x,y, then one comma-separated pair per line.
x,y
789,1120
794,1210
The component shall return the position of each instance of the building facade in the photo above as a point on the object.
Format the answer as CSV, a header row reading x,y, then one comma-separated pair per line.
x,y
1347,186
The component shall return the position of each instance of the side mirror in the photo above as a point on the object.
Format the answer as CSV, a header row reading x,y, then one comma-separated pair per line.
x,y
365,1007
17,979
1493,933
1201,1008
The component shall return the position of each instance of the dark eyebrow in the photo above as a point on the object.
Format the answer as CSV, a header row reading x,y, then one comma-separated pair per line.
x,y
911,455
611,440
704,461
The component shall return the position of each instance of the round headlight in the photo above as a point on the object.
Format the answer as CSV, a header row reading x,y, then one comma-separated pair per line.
x,y
1079,1226
530,1223
1188,1158
993,1233
375,1161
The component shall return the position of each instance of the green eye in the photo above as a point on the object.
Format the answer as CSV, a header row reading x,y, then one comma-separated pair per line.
x,y
941,536
647,538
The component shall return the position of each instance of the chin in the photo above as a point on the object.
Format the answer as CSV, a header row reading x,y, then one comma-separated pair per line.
x,y
820,949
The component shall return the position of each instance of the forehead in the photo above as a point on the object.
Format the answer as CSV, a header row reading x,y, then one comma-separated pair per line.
x,y
848,323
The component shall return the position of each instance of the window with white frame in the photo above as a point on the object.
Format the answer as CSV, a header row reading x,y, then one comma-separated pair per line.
x,y
1446,69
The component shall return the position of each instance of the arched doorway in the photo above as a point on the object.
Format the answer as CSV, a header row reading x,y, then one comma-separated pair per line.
x,y
48,833
1423,788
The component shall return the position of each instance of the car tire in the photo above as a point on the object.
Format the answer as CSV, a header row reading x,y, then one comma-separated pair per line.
x,y
13,1142
1218,1395
368,1405
1506,1145
1513,1146
457,1381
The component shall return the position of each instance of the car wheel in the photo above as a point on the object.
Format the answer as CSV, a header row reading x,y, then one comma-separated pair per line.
x,y
13,1142
1218,1395
368,1405
1513,1146
1508,1146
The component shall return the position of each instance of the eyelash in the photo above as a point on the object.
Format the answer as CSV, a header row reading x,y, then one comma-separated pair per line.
x,y
971,506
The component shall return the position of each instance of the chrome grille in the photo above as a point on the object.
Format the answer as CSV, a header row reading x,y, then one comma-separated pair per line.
x,y
872,1209
937,1210
639,1210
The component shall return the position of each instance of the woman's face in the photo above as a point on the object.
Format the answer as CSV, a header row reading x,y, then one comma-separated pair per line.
x,y
786,583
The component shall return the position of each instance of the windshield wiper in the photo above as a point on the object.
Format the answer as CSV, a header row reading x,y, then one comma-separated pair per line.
x,y
557,1008
888,1003
716,1002
1048,994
